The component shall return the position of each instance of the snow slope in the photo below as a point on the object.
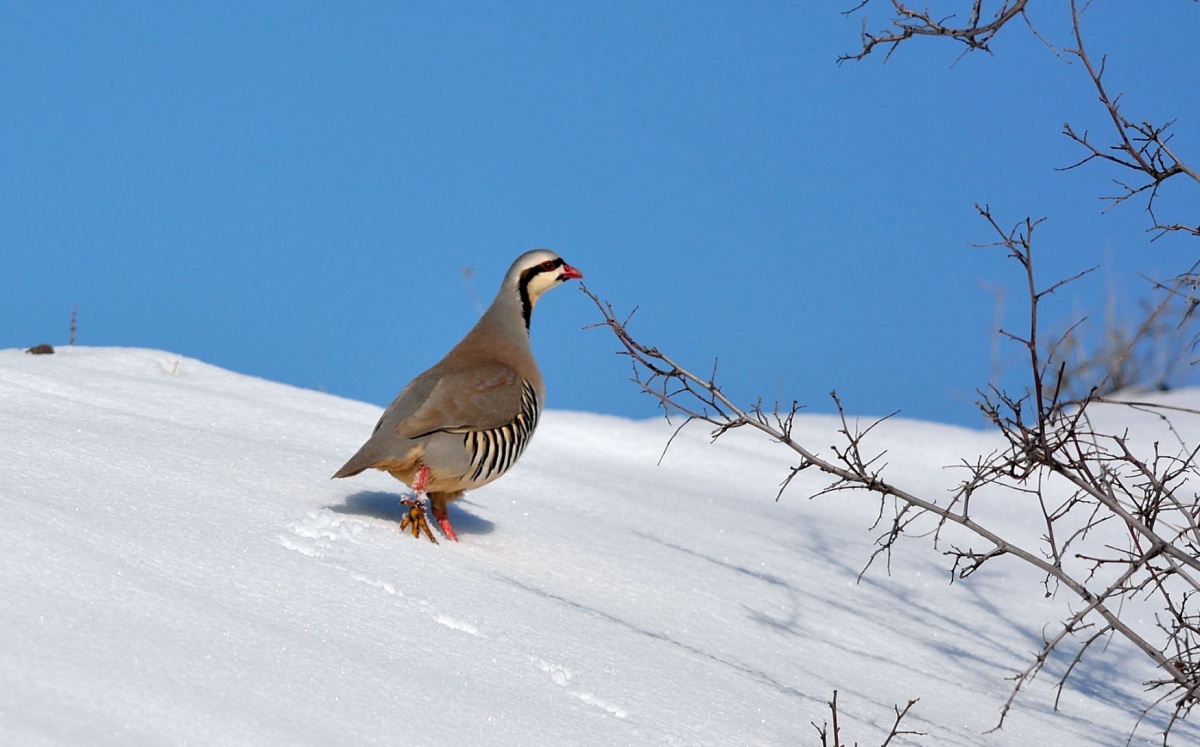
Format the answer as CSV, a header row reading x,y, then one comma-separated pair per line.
x,y
176,567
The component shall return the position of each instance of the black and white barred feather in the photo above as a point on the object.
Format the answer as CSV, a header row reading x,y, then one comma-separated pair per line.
x,y
494,452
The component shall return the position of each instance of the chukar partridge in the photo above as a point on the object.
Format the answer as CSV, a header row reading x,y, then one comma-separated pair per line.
x,y
466,421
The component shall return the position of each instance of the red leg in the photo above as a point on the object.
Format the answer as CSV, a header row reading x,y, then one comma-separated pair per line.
x,y
443,519
421,481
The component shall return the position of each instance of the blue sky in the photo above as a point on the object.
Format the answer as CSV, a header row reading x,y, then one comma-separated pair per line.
x,y
293,190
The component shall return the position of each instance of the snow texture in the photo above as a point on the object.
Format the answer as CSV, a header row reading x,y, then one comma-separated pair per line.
x,y
178,568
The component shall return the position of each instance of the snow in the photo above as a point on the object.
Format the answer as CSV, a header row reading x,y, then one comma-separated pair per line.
x,y
178,568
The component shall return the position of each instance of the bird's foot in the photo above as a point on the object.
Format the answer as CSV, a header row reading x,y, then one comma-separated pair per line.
x,y
416,511
415,519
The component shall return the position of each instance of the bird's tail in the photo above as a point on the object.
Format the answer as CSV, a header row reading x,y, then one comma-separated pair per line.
x,y
357,464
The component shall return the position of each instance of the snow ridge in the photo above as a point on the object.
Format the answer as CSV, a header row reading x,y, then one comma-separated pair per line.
x,y
179,568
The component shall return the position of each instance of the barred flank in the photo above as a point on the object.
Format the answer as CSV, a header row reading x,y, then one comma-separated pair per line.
x,y
494,452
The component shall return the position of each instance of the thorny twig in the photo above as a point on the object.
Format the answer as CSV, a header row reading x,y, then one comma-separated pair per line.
x,y
1143,148
1053,441
825,734
1126,532
1051,445
908,22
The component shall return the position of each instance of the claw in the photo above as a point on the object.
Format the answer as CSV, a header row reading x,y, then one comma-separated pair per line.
x,y
415,518
416,511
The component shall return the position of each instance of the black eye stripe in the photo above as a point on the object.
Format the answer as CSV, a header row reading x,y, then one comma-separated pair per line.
x,y
548,266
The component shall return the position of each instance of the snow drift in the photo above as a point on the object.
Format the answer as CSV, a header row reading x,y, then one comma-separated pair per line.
x,y
178,568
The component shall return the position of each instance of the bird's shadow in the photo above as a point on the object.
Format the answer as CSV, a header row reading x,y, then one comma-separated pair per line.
x,y
379,504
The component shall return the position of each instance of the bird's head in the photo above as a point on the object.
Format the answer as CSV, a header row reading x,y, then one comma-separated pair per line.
x,y
536,272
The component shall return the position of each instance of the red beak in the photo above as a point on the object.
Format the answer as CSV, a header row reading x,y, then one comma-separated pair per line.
x,y
570,273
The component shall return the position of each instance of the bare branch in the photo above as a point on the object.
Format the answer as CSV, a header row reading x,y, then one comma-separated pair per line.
x,y
1116,523
976,33
825,733
1141,147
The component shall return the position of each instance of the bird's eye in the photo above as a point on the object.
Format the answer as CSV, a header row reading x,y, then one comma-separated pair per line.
x,y
548,265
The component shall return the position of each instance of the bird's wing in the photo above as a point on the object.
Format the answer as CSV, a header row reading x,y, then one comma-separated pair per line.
x,y
474,398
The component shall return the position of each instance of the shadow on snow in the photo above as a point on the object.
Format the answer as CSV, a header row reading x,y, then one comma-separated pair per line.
x,y
386,506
